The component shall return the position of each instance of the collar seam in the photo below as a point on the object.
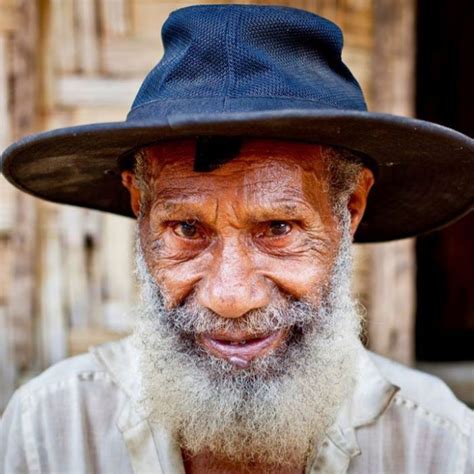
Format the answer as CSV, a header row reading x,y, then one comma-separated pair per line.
x,y
409,404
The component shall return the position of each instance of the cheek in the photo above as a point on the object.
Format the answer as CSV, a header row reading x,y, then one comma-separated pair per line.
x,y
299,278
305,271
175,274
178,280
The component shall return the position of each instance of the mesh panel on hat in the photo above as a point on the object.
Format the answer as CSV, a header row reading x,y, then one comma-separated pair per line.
x,y
251,51
296,55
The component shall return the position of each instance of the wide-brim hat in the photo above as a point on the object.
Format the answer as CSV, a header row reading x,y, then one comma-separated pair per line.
x,y
257,71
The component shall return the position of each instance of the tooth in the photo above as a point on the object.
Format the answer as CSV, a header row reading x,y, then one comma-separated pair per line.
x,y
234,343
243,342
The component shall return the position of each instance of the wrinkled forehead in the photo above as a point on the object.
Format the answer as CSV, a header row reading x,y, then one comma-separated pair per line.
x,y
259,165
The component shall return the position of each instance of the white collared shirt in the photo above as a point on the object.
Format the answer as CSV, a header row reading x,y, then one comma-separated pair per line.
x,y
77,417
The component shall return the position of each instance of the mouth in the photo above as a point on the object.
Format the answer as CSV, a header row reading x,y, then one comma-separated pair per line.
x,y
241,350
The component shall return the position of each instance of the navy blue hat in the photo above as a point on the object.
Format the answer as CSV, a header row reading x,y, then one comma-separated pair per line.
x,y
257,71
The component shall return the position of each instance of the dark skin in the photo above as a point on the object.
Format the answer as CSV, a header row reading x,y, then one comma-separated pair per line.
x,y
261,223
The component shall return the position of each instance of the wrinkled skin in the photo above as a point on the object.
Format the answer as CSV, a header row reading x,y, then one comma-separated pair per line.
x,y
261,225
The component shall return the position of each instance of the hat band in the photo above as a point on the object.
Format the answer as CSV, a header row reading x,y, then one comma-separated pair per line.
x,y
161,108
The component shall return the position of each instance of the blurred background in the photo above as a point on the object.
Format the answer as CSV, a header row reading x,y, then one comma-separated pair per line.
x,y
66,279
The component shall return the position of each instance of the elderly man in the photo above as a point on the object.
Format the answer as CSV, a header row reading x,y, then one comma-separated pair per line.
x,y
248,159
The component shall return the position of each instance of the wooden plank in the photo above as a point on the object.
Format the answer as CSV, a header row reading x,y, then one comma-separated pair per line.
x,y
23,97
114,16
22,289
392,281
8,373
8,366
118,271
87,39
5,277
7,192
147,16
65,49
78,91
329,9
9,17
46,61
5,129
93,225
4,4
392,300
76,285
83,115
24,84
58,117
52,324
130,56
7,207
394,60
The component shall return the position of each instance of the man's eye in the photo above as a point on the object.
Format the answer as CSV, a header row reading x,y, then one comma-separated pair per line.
x,y
276,229
187,229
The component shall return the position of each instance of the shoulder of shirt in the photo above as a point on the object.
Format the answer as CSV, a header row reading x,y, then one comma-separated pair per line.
x,y
80,368
426,394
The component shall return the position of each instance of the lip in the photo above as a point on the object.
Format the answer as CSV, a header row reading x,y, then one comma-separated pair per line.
x,y
229,347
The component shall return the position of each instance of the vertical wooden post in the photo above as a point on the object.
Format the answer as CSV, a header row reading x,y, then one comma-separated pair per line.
x,y
394,56
114,17
23,99
117,266
391,292
7,208
85,14
51,327
65,53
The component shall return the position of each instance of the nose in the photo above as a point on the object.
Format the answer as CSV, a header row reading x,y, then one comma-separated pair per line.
x,y
232,286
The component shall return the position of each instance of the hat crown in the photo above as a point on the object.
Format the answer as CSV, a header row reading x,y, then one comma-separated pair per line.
x,y
221,58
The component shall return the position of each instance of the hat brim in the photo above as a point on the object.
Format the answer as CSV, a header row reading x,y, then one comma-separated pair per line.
x,y
424,175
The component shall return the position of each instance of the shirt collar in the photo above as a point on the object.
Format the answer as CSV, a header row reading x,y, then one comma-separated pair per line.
x,y
372,396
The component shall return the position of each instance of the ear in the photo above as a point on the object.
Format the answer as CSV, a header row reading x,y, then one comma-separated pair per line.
x,y
128,180
358,200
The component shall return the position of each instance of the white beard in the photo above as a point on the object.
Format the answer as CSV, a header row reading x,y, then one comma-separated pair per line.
x,y
277,410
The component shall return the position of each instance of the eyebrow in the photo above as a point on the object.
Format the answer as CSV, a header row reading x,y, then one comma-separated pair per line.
x,y
187,206
190,207
282,209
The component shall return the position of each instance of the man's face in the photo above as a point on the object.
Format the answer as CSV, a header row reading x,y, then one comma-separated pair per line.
x,y
244,272
260,227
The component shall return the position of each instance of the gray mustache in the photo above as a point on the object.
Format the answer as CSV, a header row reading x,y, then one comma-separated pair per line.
x,y
193,319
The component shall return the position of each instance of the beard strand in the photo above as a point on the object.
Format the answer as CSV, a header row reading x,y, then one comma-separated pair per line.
x,y
278,409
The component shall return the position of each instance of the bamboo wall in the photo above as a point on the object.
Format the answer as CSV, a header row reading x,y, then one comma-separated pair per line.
x,y
67,273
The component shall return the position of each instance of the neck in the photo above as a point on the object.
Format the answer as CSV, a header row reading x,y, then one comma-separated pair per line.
x,y
209,464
